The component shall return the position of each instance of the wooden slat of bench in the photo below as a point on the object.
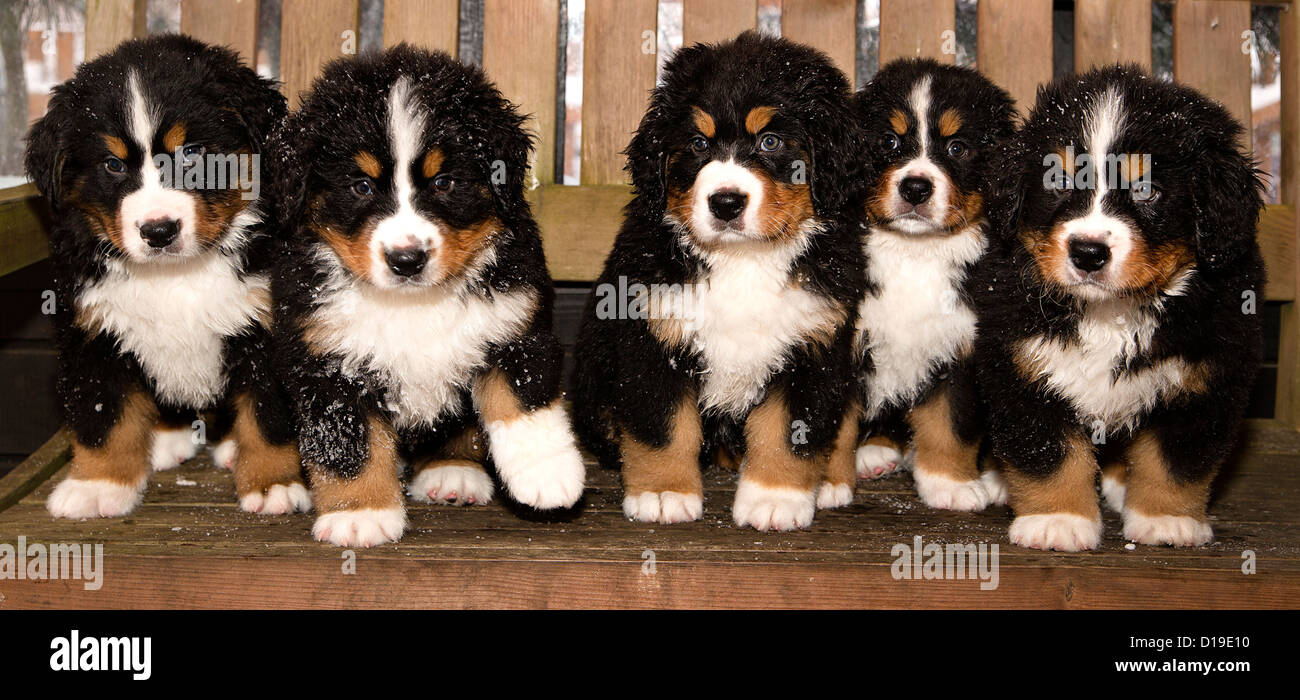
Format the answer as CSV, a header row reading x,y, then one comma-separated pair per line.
x,y
22,219
1014,46
110,22
710,21
617,76
433,24
915,29
311,34
578,226
1277,240
1208,53
519,54
830,25
1287,406
231,23
1112,31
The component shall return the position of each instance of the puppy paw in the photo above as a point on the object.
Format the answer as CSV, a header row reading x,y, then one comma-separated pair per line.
x,y
996,487
1063,532
834,495
93,498
360,528
1112,492
171,448
1176,530
664,507
538,459
772,508
278,499
938,491
876,461
453,484
225,454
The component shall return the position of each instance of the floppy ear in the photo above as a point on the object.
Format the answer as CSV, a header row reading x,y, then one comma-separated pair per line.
x,y
1226,195
505,158
289,149
1007,181
647,163
837,145
254,100
47,151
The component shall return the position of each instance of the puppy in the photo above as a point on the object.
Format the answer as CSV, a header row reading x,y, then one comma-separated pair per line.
x,y
150,159
413,309
1116,326
932,132
724,315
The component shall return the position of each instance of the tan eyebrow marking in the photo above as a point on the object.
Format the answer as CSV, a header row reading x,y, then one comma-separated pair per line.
x,y
898,120
1133,167
703,122
758,118
174,139
368,163
432,163
115,145
949,122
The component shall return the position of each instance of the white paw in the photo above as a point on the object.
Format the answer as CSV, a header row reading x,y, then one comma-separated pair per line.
x,y
875,461
1112,492
1064,532
1177,530
452,484
171,448
834,495
360,528
93,498
278,500
938,491
996,487
767,508
664,507
224,454
537,458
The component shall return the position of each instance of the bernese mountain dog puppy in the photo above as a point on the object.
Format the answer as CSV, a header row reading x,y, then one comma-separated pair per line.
x,y
413,309
150,159
724,315
932,131
1116,327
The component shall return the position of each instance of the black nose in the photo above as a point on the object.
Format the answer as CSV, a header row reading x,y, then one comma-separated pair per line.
x,y
406,262
728,204
1087,255
915,190
159,233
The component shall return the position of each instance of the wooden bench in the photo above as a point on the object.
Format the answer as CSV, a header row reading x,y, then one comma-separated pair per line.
x,y
189,545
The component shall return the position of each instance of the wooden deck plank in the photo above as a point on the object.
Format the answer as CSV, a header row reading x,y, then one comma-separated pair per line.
x,y
189,546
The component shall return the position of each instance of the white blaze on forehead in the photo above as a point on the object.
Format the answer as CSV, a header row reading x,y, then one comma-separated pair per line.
x,y
406,227
919,102
921,166
151,201
1103,123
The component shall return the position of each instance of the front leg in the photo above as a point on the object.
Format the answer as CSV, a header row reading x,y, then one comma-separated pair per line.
x,y
268,471
360,505
111,419
946,465
1052,489
529,435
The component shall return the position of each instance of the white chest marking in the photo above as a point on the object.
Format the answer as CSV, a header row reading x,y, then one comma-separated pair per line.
x,y
917,320
174,317
742,318
424,346
1082,372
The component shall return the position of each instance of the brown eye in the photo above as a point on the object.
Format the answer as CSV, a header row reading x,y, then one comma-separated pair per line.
x,y
699,144
363,188
443,183
958,149
769,142
891,141
1144,192
115,166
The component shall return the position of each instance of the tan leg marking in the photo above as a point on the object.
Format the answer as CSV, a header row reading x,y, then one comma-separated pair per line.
x,y
938,449
124,456
1152,491
259,465
672,467
769,459
841,468
376,487
1071,489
